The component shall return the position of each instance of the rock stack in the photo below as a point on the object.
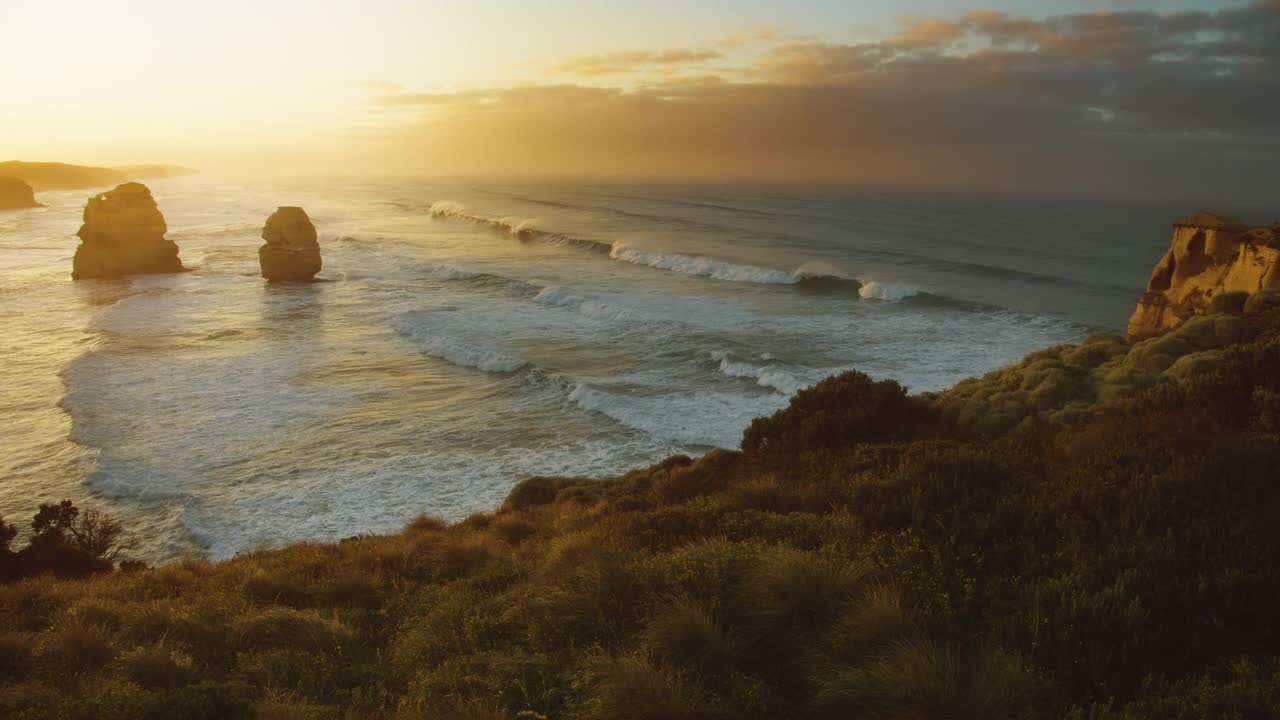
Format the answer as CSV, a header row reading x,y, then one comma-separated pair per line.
x,y
123,234
1213,260
291,252
15,194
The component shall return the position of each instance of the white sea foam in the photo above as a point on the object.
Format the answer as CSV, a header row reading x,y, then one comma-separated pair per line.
x,y
448,208
701,266
784,380
891,293
556,296
433,336
703,418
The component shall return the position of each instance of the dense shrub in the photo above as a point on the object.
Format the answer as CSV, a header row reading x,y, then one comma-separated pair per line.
x,y
836,413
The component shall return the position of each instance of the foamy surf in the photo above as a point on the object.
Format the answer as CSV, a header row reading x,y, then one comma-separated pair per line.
x,y
699,266
433,337
785,381
559,297
706,419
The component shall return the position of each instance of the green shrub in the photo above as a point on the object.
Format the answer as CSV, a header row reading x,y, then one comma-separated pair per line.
x,y
838,412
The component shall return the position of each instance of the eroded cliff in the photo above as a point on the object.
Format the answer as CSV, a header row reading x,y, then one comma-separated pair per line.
x,y
1212,259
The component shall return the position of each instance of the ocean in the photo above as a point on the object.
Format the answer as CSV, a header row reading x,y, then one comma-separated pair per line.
x,y
472,334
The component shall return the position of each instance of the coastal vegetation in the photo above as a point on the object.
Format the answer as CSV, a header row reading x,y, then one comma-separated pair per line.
x,y
868,553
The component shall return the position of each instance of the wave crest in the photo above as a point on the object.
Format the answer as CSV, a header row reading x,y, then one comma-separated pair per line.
x,y
889,293
556,296
459,350
702,266
770,376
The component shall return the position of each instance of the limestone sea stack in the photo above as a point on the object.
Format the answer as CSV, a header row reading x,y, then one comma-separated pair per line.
x,y
16,194
1212,259
291,252
123,234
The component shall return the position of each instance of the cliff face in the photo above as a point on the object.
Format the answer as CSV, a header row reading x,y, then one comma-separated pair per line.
x,y
16,194
123,234
1211,257
292,252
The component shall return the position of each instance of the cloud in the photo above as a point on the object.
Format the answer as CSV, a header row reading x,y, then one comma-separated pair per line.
x,y
760,34
1162,102
380,86
629,61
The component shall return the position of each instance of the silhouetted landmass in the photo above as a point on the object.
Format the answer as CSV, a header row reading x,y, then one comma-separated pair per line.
x,y
44,176
1089,534
16,194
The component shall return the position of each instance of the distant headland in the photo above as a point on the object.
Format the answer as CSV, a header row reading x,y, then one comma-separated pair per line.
x,y
42,176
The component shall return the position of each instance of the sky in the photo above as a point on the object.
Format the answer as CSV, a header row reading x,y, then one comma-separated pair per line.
x,y
1064,95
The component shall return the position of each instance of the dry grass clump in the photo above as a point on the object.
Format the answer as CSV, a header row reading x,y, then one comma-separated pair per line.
x,y
279,627
635,688
16,652
684,632
79,648
915,678
158,666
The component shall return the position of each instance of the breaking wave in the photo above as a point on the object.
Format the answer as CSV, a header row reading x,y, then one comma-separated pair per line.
x,y
556,296
772,376
435,339
704,419
694,265
701,266
890,293
523,228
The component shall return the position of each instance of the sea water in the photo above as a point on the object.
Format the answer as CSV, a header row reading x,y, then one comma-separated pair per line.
x,y
472,334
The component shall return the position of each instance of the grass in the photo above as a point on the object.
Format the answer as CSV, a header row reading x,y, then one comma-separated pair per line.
x,y
1112,560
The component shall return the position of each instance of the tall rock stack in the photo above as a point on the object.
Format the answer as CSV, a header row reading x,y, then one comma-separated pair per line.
x,y
291,253
16,194
1211,258
123,234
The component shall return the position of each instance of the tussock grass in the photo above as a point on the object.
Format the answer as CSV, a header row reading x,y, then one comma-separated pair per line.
x,y
158,666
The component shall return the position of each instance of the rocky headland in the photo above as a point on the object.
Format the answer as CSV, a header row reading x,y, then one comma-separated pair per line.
x,y
1213,261
16,194
123,234
292,253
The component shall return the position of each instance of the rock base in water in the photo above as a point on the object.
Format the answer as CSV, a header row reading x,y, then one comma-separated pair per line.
x,y
16,194
292,253
123,234
1212,258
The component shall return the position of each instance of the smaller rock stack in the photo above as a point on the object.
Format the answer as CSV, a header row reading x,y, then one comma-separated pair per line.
x,y
123,234
16,194
291,253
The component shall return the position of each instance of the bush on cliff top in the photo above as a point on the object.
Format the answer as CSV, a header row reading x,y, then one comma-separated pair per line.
x,y
1116,566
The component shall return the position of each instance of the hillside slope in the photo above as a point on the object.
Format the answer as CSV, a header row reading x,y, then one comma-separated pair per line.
x,y
43,176
867,555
